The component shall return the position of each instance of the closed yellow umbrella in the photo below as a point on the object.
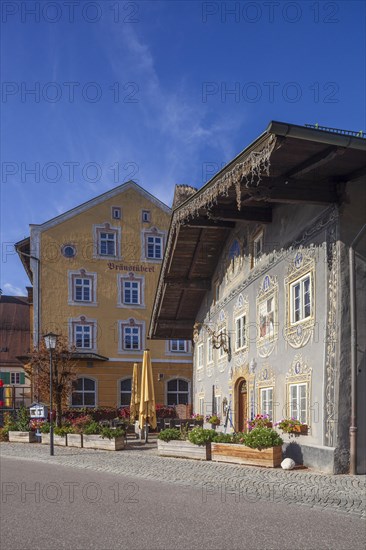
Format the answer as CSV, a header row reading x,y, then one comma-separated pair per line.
x,y
135,394
147,414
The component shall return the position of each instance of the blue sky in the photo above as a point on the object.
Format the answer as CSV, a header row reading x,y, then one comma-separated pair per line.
x,y
160,92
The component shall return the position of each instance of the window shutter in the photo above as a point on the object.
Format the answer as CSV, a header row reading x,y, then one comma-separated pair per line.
x,y
22,378
5,377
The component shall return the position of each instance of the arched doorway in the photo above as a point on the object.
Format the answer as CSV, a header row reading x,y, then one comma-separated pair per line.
x,y
242,405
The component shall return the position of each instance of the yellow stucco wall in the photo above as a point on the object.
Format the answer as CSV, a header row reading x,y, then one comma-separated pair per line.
x,y
56,312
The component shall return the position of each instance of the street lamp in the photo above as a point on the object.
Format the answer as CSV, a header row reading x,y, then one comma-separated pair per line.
x,y
50,341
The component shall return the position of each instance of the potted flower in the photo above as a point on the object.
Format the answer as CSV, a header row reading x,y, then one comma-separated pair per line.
x,y
260,421
260,447
198,418
214,420
96,436
292,426
19,429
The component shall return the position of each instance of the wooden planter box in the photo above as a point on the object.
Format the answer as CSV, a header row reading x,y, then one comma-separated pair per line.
x,y
97,442
300,429
57,440
240,454
184,449
22,437
75,440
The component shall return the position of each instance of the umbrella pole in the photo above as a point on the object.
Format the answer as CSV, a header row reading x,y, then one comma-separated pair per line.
x,y
146,426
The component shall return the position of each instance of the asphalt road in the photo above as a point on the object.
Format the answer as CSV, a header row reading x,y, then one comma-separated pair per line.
x,y
52,507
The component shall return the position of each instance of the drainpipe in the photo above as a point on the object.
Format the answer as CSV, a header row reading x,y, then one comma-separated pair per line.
x,y
353,315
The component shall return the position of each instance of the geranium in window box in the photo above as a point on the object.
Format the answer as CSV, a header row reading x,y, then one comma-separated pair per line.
x,y
260,421
292,426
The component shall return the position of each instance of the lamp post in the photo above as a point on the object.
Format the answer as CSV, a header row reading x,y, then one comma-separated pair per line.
x,y
50,340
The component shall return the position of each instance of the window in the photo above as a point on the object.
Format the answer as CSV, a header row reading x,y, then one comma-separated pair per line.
x,y
16,378
84,393
107,243
82,287
201,406
266,318
154,247
218,405
200,356
131,292
116,212
125,392
146,216
83,336
131,337
177,392
68,250
257,248
178,346
240,334
209,350
301,299
267,401
298,398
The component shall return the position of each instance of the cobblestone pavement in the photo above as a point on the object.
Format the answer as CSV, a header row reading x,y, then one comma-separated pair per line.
x,y
343,494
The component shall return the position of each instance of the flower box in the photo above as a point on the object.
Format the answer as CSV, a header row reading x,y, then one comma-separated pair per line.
x,y
240,454
75,440
59,440
299,429
22,437
184,449
97,442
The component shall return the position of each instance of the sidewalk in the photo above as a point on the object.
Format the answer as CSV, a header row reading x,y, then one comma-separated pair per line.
x,y
342,494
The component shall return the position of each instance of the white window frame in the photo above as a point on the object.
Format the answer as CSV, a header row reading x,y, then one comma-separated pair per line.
x,y
146,216
83,322
121,280
107,228
156,233
132,324
116,210
266,401
210,351
15,378
258,238
176,348
201,406
241,332
82,274
301,284
297,412
88,391
200,356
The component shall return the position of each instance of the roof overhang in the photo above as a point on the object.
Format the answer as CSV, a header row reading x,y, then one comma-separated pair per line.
x,y
23,251
287,164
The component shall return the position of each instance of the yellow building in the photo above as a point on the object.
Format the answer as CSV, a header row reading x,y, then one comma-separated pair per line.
x,y
94,271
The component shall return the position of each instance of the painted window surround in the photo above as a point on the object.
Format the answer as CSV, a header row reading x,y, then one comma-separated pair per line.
x,y
131,277
71,276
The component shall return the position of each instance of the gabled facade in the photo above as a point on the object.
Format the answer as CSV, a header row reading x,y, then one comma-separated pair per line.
x,y
94,271
260,260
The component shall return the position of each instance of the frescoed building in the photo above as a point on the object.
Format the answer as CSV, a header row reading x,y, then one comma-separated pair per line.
x,y
260,258
94,271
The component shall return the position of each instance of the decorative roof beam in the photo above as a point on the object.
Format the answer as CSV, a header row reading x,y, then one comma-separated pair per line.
x,y
210,224
315,161
184,283
245,214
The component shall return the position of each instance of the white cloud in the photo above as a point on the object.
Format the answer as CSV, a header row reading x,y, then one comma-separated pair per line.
x,y
12,290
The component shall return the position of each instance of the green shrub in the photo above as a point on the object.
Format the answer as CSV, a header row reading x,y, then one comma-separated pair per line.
x,y
22,421
94,428
223,438
4,434
112,433
170,434
45,428
200,436
64,430
262,438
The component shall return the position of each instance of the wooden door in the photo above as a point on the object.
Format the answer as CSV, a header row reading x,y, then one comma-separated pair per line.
x,y
243,405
